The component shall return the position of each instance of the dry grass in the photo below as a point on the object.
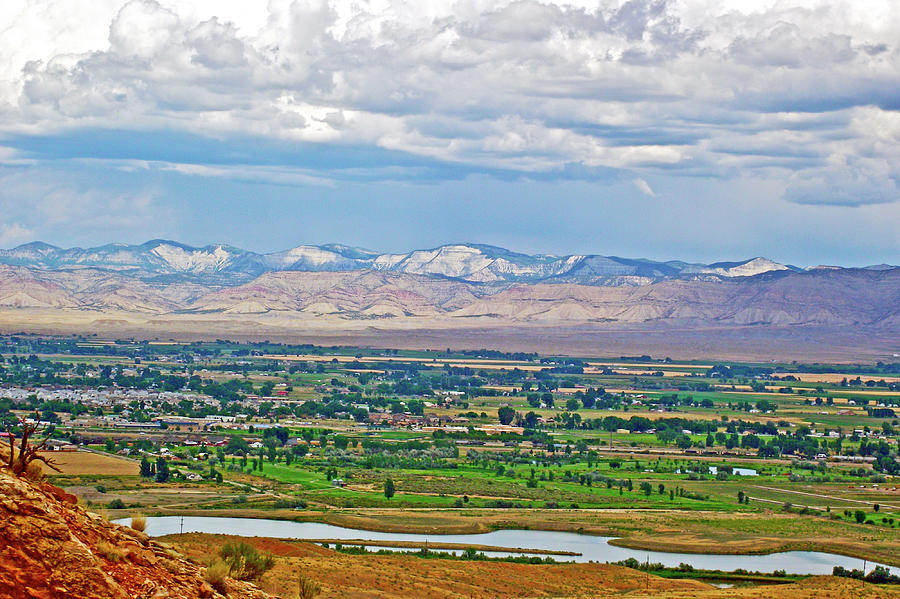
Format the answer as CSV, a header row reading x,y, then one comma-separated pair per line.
x,y
101,511
400,577
86,462
34,472
307,588
216,574
139,522
343,575
109,551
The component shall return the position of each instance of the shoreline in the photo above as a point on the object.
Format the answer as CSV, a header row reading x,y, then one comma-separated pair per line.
x,y
756,548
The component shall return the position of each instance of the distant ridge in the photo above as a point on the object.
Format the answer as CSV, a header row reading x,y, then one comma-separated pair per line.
x,y
474,263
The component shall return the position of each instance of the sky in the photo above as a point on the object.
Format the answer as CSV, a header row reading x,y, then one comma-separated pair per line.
x,y
699,130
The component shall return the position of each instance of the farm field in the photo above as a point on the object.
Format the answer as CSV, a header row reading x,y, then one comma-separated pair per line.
x,y
74,463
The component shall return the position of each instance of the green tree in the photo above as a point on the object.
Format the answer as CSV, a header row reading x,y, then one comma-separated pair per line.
x,y
389,487
506,414
162,470
683,442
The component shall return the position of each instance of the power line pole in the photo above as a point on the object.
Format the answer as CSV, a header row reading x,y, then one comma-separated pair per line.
x,y
647,573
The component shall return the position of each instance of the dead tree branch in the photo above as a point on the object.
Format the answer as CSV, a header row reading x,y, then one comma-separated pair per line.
x,y
28,451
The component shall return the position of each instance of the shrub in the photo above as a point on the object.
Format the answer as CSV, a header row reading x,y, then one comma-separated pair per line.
x,y
139,522
307,588
116,504
244,561
215,575
34,472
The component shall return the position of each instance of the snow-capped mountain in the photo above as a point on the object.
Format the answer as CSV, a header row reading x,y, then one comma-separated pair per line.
x,y
747,268
337,258
123,289
473,263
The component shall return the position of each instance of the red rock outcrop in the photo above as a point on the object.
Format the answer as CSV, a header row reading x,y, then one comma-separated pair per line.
x,y
51,548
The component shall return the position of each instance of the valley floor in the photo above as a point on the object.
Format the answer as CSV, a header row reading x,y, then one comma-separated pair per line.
x,y
832,344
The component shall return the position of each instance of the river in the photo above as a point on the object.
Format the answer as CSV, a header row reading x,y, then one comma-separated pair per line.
x,y
591,548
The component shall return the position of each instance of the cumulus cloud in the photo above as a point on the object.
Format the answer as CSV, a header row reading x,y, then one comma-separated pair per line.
x,y
14,233
644,188
702,88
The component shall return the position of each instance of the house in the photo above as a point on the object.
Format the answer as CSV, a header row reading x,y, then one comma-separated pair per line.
x,y
496,429
60,445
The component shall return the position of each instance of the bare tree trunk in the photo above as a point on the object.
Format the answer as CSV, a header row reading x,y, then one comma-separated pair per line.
x,y
28,452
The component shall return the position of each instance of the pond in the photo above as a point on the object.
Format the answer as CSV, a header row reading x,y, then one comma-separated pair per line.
x,y
590,548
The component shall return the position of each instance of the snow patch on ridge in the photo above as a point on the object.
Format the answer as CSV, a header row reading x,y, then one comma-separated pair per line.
x,y
194,261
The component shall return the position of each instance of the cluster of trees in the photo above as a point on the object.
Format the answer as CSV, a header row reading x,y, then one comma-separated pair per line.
x,y
880,575
159,470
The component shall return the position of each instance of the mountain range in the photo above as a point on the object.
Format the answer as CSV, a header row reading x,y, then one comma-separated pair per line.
x,y
468,262
463,285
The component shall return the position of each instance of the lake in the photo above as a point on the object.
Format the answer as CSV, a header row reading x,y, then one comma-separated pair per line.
x,y
591,548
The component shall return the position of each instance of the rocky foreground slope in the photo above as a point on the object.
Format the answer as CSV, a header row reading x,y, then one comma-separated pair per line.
x,y
50,548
